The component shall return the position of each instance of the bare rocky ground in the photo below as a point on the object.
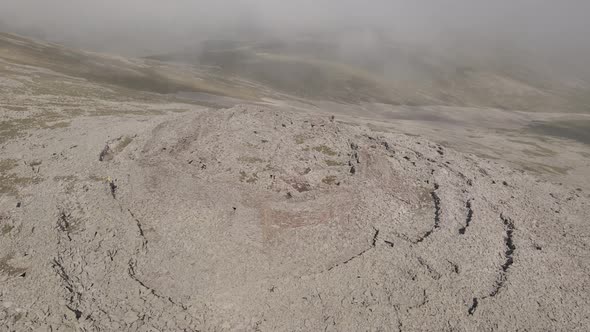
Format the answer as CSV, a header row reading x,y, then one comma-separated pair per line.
x,y
255,219
132,211
503,135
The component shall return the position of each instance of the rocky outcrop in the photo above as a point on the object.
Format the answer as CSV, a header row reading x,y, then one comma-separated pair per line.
x,y
256,219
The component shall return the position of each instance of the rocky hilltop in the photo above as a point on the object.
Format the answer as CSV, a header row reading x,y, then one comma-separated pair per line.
x,y
259,219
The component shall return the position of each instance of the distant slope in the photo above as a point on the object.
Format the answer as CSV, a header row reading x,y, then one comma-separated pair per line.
x,y
393,74
130,74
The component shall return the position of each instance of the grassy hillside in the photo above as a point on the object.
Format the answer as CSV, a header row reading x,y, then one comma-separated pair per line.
x,y
316,69
393,74
129,74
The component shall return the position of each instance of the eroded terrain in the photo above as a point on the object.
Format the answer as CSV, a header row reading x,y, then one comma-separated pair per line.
x,y
250,218
126,209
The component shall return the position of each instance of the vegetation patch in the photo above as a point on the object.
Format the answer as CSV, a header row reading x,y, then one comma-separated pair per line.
x,y
544,169
123,143
13,128
301,186
10,183
244,177
15,108
7,269
7,164
6,229
96,178
329,180
573,130
333,163
325,150
65,178
299,139
250,160
538,150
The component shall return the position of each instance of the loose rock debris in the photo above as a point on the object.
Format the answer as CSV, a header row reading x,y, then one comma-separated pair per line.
x,y
430,244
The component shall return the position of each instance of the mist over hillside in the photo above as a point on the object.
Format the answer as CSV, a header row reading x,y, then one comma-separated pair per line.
x,y
258,165
549,29
522,55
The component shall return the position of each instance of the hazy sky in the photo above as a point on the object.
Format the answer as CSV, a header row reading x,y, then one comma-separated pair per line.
x,y
143,26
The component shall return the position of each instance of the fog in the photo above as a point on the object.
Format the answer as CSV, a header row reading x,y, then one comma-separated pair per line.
x,y
550,29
